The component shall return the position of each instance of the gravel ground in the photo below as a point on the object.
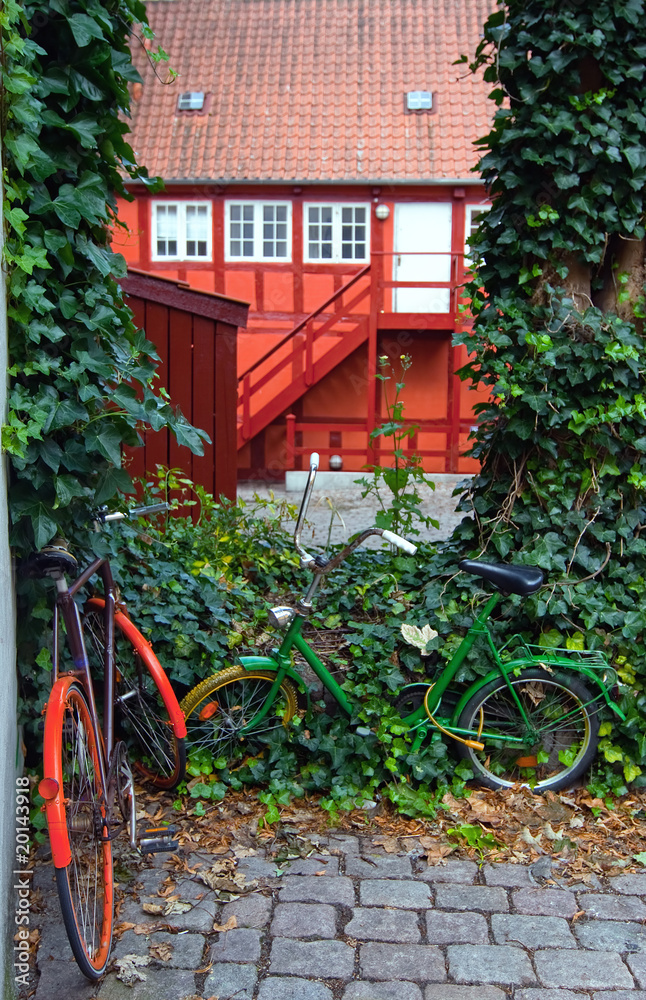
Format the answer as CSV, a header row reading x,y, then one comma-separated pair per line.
x,y
343,512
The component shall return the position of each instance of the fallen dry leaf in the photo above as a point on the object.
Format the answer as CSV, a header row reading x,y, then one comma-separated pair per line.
x,y
153,908
230,924
129,969
389,844
163,951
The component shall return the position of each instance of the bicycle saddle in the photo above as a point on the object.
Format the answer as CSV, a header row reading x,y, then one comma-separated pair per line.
x,y
55,558
523,580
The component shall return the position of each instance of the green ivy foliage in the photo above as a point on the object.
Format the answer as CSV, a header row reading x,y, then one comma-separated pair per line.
x,y
557,337
82,376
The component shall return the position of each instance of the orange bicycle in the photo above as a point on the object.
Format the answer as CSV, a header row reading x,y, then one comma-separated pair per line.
x,y
88,784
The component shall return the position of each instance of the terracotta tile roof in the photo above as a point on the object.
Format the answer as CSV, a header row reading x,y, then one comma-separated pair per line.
x,y
305,90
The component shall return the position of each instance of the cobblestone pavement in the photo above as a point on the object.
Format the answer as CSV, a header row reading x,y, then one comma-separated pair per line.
x,y
351,922
348,513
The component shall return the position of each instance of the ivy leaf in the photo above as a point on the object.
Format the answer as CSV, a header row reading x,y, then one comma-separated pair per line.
x,y
84,29
111,482
67,488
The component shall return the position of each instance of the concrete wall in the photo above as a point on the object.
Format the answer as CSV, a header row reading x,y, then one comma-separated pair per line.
x,y
8,698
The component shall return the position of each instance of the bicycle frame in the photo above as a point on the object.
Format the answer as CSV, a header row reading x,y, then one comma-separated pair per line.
x,y
280,662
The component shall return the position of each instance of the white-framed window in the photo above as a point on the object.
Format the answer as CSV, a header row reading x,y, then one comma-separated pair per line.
x,y
472,219
181,230
258,230
336,233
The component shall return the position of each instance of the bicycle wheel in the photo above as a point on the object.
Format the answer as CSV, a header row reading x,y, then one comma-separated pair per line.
x,y
556,747
76,817
219,707
149,714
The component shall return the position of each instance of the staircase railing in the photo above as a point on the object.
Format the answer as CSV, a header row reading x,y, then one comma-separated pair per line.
x,y
301,339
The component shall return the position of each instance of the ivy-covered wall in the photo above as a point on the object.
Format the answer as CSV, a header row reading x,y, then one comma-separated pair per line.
x,y
558,338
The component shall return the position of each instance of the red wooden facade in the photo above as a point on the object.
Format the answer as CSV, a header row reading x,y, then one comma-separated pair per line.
x,y
308,355
195,335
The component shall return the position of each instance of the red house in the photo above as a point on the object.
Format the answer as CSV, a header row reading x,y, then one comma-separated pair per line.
x,y
317,159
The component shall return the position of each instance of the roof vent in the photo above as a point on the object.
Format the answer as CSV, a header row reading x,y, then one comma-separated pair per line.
x,y
419,100
191,101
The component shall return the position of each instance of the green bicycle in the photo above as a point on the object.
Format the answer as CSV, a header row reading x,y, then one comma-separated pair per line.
x,y
532,719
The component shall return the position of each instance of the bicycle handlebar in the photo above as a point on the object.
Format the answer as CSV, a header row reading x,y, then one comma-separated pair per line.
x,y
319,564
117,515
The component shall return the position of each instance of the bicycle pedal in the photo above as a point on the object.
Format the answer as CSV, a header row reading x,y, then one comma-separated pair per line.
x,y
157,839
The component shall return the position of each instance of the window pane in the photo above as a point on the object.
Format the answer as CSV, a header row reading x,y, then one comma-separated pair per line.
x,y
196,230
281,213
281,249
326,213
268,213
326,253
166,223
346,215
235,212
314,251
247,212
235,248
247,249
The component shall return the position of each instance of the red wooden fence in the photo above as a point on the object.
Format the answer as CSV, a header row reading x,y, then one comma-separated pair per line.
x,y
195,334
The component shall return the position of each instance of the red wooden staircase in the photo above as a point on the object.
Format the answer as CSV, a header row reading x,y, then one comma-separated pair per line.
x,y
307,354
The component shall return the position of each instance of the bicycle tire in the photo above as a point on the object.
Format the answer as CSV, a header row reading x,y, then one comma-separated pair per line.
x,y
76,817
214,722
567,748
149,713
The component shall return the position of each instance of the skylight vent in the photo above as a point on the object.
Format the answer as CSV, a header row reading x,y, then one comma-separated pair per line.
x,y
419,100
191,101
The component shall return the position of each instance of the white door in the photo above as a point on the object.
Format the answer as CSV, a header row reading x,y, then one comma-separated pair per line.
x,y
422,253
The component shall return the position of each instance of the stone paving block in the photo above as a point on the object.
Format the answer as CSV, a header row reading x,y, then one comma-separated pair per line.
x,y
471,897
292,988
637,965
584,970
462,872
611,935
379,866
54,942
228,980
620,995
402,894
322,959
383,925
345,844
382,991
508,876
418,962
591,884
310,866
250,911
200,918
260,868
629,885
481,963
309,889
242,944
531,932
608,907
448,992
187,950
550,995
304,920
61,979
456,928
545,902
192,890
160,984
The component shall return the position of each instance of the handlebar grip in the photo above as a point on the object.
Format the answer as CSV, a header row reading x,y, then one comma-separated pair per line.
x,y
314,461
151,508
401,543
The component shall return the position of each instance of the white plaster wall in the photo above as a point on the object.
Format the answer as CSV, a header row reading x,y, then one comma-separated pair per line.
x,y
8,699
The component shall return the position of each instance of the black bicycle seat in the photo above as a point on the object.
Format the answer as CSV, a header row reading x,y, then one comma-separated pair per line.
x,y
52,559
523,580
